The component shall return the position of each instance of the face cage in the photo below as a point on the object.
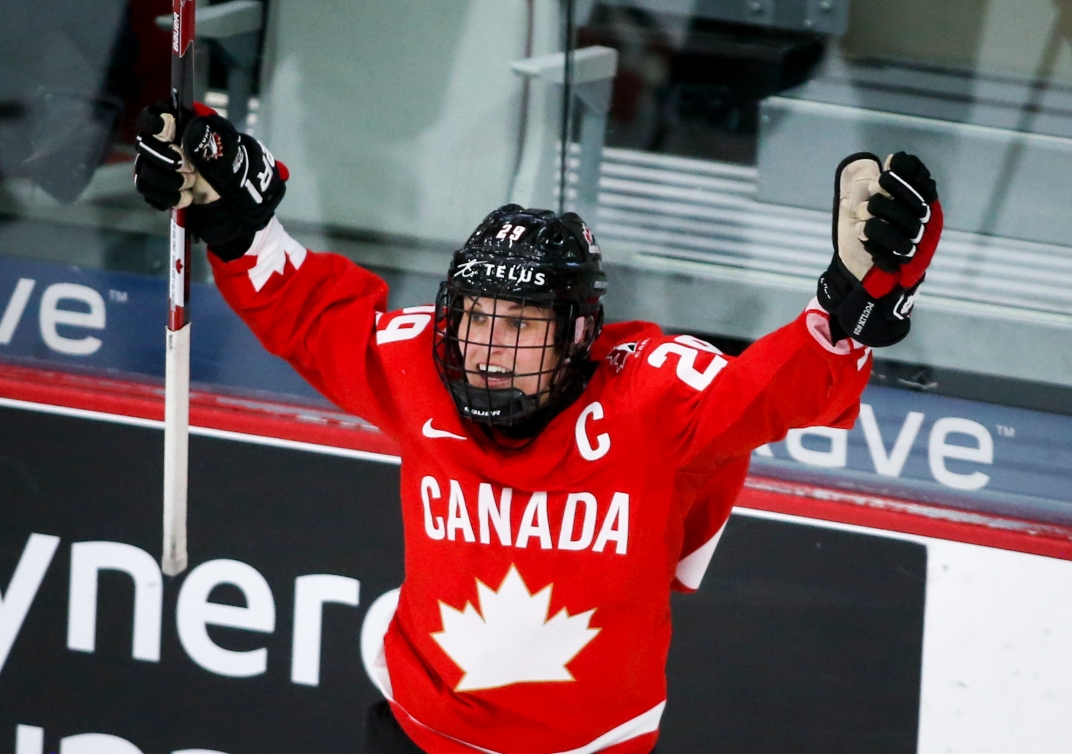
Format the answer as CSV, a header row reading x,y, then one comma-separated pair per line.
x,y
506,405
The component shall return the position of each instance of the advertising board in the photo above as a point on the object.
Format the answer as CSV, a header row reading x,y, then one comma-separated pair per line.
x,y
967,454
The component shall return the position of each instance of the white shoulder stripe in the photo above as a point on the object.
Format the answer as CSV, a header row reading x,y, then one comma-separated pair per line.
x,y
691,568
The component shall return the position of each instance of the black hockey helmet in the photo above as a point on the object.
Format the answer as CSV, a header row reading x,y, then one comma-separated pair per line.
x,y
531,257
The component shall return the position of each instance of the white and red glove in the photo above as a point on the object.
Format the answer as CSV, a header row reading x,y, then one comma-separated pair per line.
x,y
887,222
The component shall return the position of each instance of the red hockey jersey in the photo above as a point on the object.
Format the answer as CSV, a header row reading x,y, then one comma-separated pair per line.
x,y
535,613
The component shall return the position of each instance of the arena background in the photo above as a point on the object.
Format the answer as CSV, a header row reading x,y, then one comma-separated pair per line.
x,y
894,587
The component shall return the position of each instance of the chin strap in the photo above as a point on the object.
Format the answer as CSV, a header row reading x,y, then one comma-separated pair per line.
x,y
499,407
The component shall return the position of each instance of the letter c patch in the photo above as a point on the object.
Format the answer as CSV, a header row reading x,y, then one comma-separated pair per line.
x,y
594,410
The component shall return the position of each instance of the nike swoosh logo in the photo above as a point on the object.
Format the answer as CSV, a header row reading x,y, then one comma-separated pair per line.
x,y
437,434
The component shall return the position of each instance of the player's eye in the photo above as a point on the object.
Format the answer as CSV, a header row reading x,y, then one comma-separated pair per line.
x,y
477,318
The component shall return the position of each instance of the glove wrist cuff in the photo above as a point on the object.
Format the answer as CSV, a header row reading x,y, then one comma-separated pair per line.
x,y
236,248
835,285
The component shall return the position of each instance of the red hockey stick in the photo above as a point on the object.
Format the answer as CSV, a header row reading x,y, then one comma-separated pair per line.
x,y
177,369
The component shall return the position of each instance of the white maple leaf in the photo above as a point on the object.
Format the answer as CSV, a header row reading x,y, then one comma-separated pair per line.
x,y
510,640
272,255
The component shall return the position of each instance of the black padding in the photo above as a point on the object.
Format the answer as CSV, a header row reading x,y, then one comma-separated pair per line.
x,y
158,185
895,213
887,245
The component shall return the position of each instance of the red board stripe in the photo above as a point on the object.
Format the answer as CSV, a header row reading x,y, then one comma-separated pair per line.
x,y
145,400
318,426
908,517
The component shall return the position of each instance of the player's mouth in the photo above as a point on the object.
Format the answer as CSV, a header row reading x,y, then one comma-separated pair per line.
x,y
495,376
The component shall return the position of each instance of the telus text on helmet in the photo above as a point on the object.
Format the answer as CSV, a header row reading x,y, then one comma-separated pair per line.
x,y
521,273
586,523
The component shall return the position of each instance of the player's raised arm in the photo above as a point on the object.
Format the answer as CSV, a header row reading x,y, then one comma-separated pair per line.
x,y
317,311
887,222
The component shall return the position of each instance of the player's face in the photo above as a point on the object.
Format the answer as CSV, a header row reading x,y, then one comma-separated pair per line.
x,y
505,344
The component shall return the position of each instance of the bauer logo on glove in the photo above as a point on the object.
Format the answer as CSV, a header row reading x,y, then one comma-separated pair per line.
x,y
887,222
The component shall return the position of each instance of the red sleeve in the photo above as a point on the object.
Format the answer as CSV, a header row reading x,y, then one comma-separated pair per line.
x,y
702,406
710,497
320,313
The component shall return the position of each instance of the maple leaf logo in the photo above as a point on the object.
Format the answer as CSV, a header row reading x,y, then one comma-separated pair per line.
x,y
511,640
619,354
273,255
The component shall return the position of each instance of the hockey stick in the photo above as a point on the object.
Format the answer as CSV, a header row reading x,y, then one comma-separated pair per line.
x,y
567,104
177,365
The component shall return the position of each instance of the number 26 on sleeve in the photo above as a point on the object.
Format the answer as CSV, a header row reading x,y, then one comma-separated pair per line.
x,y
687,349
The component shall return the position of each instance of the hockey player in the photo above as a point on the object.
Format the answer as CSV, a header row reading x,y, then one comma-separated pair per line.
x,y
559,476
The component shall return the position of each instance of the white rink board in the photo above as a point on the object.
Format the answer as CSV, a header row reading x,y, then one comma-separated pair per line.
x,y
997,647
997,652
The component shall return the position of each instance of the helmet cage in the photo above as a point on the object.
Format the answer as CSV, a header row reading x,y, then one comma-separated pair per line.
x,y
571,328
532,258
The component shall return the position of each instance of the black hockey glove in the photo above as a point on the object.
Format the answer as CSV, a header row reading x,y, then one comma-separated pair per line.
x,y
236,186
887,222
162,174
